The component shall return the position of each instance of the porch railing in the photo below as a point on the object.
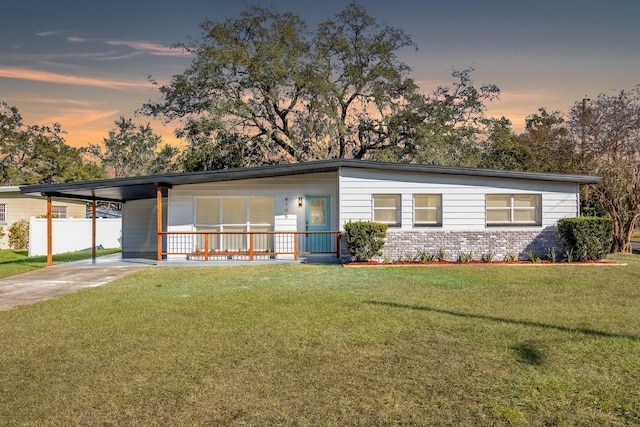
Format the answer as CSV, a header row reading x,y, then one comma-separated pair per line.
x,y
250,245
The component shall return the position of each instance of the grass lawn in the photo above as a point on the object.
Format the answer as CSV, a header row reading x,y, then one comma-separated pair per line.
x,y
16,262
327,345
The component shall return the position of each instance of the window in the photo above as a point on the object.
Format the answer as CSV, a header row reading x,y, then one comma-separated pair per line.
x,y
233,211
386,208
207,211
318,212
59,211
3,213
235,215
514,209
427,209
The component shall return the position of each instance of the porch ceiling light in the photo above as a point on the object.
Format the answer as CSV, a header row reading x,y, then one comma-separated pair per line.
x,y
299,202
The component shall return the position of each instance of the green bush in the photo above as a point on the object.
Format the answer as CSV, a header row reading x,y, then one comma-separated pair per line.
x,y
586,238
19,234
365,239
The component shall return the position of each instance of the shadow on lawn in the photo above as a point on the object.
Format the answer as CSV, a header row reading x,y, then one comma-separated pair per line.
x,y
585,331
529,353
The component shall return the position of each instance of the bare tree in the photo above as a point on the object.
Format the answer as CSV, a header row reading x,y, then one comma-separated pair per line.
x,y
608,131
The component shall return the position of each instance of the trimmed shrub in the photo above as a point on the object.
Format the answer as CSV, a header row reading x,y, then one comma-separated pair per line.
x,y
587,238
19,234
365,239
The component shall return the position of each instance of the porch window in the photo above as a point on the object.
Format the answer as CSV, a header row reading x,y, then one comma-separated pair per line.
x,y
513,209
235,214
59,211
386,209
3,214
207,211
427,210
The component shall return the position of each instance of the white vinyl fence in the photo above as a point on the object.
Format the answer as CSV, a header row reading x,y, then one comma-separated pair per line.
x,y
73,234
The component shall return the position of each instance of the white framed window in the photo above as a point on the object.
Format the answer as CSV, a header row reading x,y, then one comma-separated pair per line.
x,y
235,215
3,213
514,209
233,211
59,211
427,210
386,209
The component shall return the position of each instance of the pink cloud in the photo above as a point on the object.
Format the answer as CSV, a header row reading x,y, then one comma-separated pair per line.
x,y
44,76
149,47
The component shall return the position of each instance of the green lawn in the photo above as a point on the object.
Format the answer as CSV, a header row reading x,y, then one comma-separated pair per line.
x,y
327,345
16,262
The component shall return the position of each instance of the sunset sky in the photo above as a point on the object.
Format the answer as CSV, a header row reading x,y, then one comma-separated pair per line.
x,y
84,63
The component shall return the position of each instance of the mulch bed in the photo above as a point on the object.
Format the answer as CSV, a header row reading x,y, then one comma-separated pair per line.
x,y
472,262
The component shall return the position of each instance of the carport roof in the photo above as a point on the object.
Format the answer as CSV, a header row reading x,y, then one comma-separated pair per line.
x,y
145,187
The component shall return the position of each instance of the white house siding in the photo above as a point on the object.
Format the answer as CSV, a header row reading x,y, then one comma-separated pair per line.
x,y
139,228
285,190
463,212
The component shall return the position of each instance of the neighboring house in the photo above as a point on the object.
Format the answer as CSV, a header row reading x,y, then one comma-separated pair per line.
x,y
14,206
287,210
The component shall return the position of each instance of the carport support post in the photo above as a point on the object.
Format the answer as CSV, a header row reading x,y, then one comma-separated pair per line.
x,y
49,232
159,220
93,232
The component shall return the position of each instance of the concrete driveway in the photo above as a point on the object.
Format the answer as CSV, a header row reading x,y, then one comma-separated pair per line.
x,y
50,282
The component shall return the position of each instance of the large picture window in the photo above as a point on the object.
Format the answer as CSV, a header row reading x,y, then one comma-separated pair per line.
x,y
427,210
386,209
235,214
233,211
514,209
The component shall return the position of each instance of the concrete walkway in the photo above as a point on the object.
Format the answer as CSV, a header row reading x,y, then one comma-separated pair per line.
x,y
61,279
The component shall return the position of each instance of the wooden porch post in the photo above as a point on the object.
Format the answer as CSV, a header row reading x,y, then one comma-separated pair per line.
x,y
49,232
295,246
159,221
93,232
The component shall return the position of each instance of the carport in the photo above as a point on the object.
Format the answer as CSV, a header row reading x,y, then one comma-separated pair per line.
x,y
120,190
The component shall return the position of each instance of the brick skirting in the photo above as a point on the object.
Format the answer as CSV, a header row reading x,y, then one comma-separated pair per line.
x,y
403,243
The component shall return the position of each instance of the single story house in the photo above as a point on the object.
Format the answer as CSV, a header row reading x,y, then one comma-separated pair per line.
x,y
300,209
15,205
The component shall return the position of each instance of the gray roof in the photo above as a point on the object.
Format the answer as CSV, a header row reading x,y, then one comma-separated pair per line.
x,y
145,187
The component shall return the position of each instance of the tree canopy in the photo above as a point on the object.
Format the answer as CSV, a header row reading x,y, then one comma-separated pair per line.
x,y
133,150
607,131
33,154
265,85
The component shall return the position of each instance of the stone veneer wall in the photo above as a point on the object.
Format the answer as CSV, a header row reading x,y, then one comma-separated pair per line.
x,y
400,243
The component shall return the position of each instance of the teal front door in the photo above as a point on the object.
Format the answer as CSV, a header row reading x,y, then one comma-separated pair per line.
x,y
318,219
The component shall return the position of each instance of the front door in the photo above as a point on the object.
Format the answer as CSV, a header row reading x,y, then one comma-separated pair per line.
x,y
318,218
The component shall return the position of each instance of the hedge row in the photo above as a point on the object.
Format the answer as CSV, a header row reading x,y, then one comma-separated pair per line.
x,y
365,239
586,238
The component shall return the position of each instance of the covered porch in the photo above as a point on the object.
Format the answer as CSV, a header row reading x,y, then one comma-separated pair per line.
x,y
291,214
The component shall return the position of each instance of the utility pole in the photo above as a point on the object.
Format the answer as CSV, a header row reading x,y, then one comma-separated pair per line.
x,y
583,119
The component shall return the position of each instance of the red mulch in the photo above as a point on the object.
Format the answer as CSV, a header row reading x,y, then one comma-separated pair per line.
x,y
472,262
